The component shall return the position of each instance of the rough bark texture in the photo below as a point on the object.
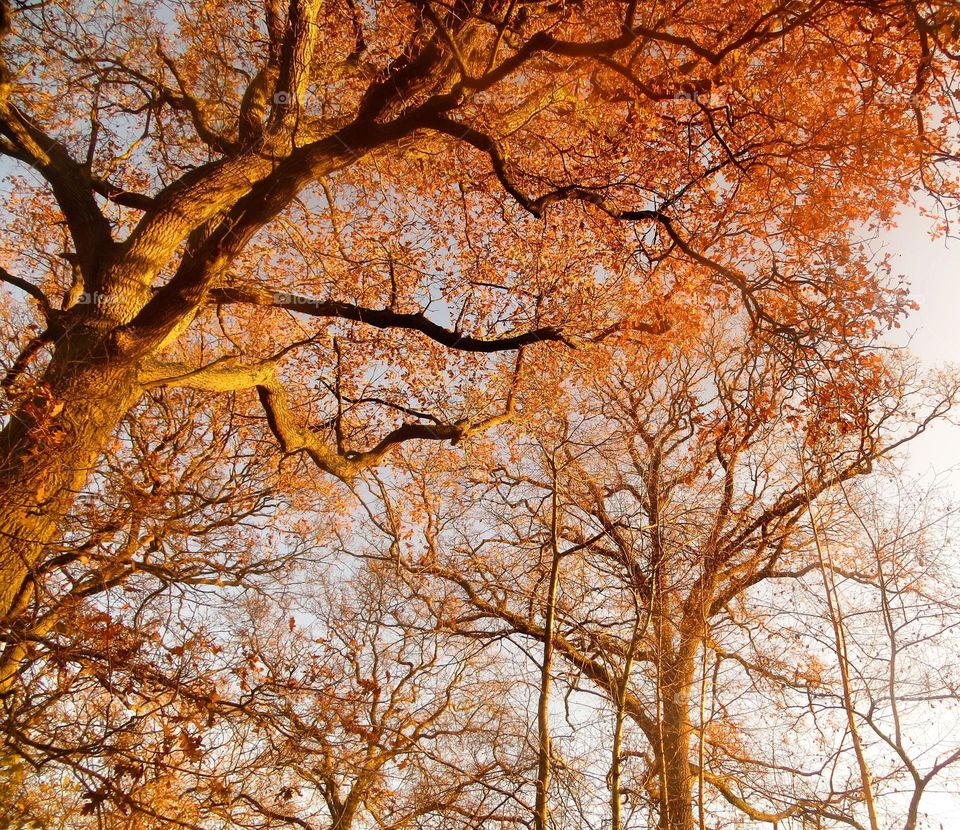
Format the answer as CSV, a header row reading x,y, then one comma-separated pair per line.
x,y
676,797
49,448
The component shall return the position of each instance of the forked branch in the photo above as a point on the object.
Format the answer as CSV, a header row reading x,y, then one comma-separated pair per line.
x,y
293,436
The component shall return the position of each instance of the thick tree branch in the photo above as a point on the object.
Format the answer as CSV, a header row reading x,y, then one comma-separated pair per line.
x,y
232,375
295,58
124,198
386,319
68,179
28,288
225,375
236,222
294,437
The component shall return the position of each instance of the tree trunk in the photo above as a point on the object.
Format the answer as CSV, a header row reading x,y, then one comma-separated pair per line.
x,y
835,613
48,449
639,628
541,814
676,797
676,783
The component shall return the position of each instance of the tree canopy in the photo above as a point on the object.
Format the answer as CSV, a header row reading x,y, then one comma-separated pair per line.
x,y
310,305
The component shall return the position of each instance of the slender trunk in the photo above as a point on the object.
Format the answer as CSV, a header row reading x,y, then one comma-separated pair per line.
x,y
616,819
47,450
701,755
616,752
678,638
541,813
344,817
836,622
835,613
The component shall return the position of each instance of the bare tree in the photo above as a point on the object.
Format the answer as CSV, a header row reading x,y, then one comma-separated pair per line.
x,y
682,487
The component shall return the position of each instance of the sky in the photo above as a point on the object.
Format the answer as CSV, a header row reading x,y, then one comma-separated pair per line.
x,y
933,268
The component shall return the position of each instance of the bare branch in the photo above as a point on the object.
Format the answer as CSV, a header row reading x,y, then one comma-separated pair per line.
x,y
29,288
387,319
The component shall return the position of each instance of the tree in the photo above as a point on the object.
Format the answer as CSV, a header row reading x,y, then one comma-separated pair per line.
x,y
265,246
688,480
893,596
644,564
209,178
341,707
382,720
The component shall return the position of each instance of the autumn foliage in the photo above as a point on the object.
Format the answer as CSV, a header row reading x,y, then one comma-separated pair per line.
x,y
424,414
